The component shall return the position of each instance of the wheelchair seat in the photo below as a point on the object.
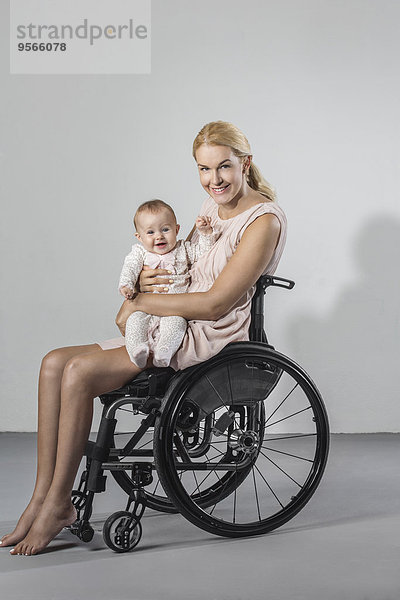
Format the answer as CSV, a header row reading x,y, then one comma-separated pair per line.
x,y
150,383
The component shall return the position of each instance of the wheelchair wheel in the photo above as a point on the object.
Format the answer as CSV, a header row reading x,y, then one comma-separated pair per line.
x,y
119,534
242,441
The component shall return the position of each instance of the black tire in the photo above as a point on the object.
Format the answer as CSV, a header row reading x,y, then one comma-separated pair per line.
x,y
264,469
118,535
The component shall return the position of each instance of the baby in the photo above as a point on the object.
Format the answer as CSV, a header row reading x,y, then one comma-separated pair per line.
x,y
156,229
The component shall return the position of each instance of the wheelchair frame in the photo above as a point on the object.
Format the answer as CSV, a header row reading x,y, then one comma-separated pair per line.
x,y
226,402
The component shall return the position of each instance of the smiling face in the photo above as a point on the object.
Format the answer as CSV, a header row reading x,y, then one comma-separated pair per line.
x,y
222,173
157,230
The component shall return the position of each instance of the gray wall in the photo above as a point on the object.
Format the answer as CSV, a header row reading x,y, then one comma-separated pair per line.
x,y
315,86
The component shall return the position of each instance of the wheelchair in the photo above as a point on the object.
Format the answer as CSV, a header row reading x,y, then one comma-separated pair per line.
x,y
237,444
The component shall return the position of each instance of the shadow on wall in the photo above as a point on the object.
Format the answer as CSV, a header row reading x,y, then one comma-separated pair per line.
x,y
354,351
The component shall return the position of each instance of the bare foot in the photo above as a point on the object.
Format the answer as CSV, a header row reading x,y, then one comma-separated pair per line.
x,y
24,524
51,519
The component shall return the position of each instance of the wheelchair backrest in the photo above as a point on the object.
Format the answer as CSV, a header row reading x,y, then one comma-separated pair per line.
x,y
256,329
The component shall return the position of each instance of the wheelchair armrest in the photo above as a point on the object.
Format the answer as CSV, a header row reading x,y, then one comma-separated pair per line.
x,y
266,281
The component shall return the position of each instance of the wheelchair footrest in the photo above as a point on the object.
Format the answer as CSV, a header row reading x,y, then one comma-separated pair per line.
x,y
82,529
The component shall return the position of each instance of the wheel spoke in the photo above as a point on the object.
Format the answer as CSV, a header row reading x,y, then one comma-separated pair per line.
x,y
282,470
287,454
219,395
289,416
197,483
284,400
268,485
210,473
234,498
128,410
290,437
216,449
155,489
220,496
179,445
216,392
255,489
145,444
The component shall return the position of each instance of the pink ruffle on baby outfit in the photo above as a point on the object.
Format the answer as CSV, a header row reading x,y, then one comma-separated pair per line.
x,y
160,261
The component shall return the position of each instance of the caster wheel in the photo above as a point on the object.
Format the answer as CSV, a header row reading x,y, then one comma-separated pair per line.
x,y
87,533
119,535
79,500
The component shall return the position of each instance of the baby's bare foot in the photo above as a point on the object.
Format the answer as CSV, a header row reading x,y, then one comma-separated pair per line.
x,y
51,519
24,524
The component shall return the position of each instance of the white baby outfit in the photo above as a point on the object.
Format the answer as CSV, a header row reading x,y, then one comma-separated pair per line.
x,y
146,333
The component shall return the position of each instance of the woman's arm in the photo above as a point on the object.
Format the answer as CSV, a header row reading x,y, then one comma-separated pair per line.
x,y
252,255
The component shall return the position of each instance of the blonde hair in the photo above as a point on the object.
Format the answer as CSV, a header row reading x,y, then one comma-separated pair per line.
x,y
153,206
222,133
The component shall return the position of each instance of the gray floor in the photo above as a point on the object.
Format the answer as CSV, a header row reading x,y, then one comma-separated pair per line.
x,y
344,545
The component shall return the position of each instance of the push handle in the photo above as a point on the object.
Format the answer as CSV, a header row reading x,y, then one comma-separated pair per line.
x,y
256,331
270,280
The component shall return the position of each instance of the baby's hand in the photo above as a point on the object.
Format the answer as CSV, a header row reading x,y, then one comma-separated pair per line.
x,y
126,292
203,225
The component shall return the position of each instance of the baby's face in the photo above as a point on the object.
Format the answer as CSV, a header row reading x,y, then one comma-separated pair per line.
x,y
157,231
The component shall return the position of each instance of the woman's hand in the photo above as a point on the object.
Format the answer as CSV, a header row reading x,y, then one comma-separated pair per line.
x,y
151,279
127,308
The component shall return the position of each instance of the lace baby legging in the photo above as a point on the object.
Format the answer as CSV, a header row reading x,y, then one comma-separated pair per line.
x,y
171,332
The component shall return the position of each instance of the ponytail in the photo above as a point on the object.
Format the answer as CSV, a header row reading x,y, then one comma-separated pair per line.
x,y
257,182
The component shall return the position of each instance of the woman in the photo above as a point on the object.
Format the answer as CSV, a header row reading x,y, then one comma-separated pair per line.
x,y
253,232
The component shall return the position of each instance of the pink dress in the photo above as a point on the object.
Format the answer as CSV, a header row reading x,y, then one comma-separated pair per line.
x,y
204,339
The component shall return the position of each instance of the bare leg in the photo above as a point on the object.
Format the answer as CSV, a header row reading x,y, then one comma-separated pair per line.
x,y
50,377
85,377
